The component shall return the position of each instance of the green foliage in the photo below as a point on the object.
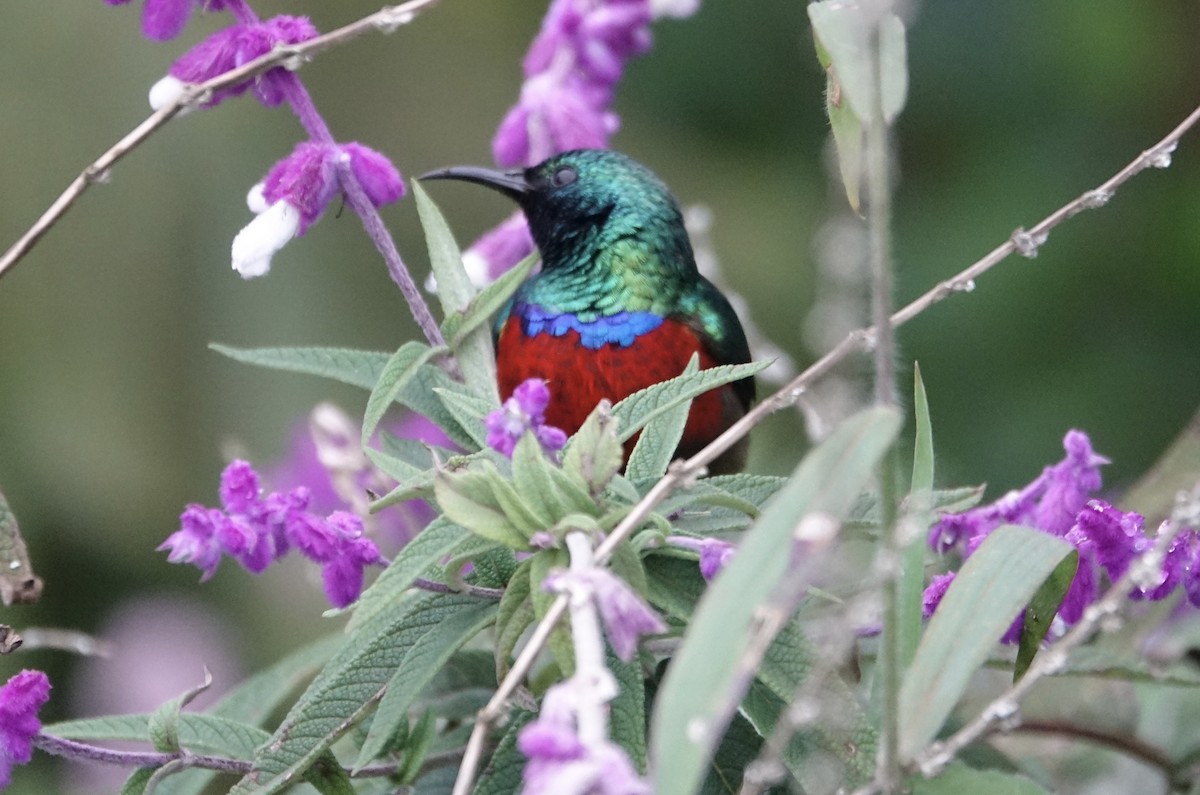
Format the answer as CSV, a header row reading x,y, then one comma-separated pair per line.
x,y
992,587
707,680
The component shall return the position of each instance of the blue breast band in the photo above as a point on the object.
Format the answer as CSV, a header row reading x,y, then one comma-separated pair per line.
x,y
622,328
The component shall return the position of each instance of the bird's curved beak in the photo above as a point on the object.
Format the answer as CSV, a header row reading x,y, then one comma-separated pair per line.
x,y
511,183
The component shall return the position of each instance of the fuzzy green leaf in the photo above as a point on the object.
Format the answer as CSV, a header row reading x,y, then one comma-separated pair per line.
x,y
468,411
514,616
635,411
197,732
842,30
346,689
487,303
502,776
164,721
362,369
594,454
627,712
992,587
701,689
430,546
559,644
655,448
469,498
473,349
844,747
328,777
137,781
400,369
348,365
535,479
420,664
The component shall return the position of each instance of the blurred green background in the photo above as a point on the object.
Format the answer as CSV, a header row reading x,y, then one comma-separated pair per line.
x,y
114,414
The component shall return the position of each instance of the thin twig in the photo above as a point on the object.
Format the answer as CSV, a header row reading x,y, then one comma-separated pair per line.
x,y
683,472
1144,752
291,56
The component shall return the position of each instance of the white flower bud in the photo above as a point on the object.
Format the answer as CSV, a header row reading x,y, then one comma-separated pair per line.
x,y
261,238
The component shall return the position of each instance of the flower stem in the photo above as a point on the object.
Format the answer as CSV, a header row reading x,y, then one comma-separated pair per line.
x,y
879,220
314,124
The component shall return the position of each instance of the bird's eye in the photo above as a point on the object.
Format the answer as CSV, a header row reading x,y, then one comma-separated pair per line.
x,y
564,176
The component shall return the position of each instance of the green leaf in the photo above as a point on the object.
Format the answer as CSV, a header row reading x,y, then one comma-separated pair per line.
x,y
420,664
400,369
474,347
843,31
328,777
594,454
137,781
844,747
957,779
642,406
514,616
397,468
18,583
655,448
346,689
1041,611
427,548
198,732
468,411
255,699
702,687
502,776
469,498
627,712
350,366
488,302
362,369
919,516
550,493
164,721
417,747
992,587
560,638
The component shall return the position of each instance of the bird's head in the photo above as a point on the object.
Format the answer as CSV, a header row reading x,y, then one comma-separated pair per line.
x,y
583,196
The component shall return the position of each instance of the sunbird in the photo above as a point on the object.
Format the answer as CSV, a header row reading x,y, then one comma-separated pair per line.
x,y
618,304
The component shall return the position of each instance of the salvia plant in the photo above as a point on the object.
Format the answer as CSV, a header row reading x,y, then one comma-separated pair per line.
x,y
580,611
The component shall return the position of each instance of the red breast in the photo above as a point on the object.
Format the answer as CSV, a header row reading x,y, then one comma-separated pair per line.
x,y
580,377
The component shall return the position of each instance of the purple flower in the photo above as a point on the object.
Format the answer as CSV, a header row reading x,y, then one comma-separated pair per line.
x,y
561,763
343,573
714,553
230,48
325,461
1057,502
524,411
20,699
257,530
298,189
570,71
1049,503
625,615
196,540
166,19
935,591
